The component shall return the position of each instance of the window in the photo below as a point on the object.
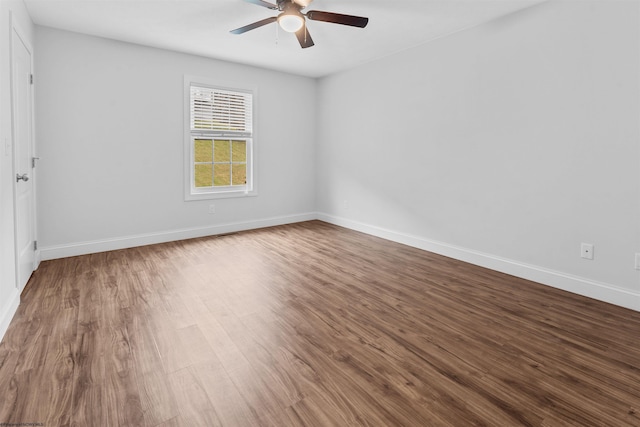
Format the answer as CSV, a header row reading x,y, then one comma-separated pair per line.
x,y
219,140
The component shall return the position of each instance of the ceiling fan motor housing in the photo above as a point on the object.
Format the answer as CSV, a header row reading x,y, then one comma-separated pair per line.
x,y
289,5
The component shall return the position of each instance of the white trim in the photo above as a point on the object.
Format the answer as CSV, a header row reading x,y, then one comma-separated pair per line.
x,y
8,311
38,259
567,282
252,160
83,248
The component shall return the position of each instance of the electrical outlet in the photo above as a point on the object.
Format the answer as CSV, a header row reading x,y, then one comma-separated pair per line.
x,y
345,205
586,251
212,208
637,261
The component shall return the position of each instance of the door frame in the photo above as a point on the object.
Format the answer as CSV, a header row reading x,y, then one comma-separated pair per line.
x,y
17,32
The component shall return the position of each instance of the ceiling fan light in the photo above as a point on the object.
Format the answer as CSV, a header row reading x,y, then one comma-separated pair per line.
x,y
290,23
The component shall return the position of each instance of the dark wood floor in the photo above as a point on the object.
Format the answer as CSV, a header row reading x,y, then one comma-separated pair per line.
x,y
310,324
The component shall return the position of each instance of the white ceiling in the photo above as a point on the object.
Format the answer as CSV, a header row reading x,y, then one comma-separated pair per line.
x,y
201,27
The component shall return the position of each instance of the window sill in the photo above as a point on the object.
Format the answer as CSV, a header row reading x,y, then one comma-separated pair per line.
x,y
220,195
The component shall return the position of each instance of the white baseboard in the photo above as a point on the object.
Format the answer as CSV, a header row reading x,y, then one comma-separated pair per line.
x,y
8,311
577,285
83,248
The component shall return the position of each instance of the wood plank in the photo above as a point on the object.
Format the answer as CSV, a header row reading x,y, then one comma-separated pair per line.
x,y
310,324
192,399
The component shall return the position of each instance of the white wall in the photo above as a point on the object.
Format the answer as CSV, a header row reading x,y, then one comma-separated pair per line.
x,y
110,136
506,145
15,11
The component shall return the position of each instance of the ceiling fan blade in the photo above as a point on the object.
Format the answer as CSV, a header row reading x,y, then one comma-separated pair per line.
x,y
337,18
254,25
304,37
263,4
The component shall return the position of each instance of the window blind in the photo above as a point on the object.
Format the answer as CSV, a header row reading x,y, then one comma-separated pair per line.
x,y
221,112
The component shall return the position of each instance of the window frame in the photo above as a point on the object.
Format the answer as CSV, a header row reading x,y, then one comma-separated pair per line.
x,y
191,192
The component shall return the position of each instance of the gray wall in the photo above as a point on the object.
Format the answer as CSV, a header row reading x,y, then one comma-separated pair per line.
x,y
110,136
506,145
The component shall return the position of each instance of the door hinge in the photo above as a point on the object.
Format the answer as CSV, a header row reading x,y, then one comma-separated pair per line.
x,y
31,78
35,245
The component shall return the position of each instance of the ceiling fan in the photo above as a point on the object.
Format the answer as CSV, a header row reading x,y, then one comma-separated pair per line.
x,y
292,20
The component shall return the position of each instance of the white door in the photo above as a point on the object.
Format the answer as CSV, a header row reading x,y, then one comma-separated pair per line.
x,y
22,160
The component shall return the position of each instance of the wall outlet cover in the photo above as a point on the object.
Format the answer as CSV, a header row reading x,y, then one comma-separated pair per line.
x,y
586,251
